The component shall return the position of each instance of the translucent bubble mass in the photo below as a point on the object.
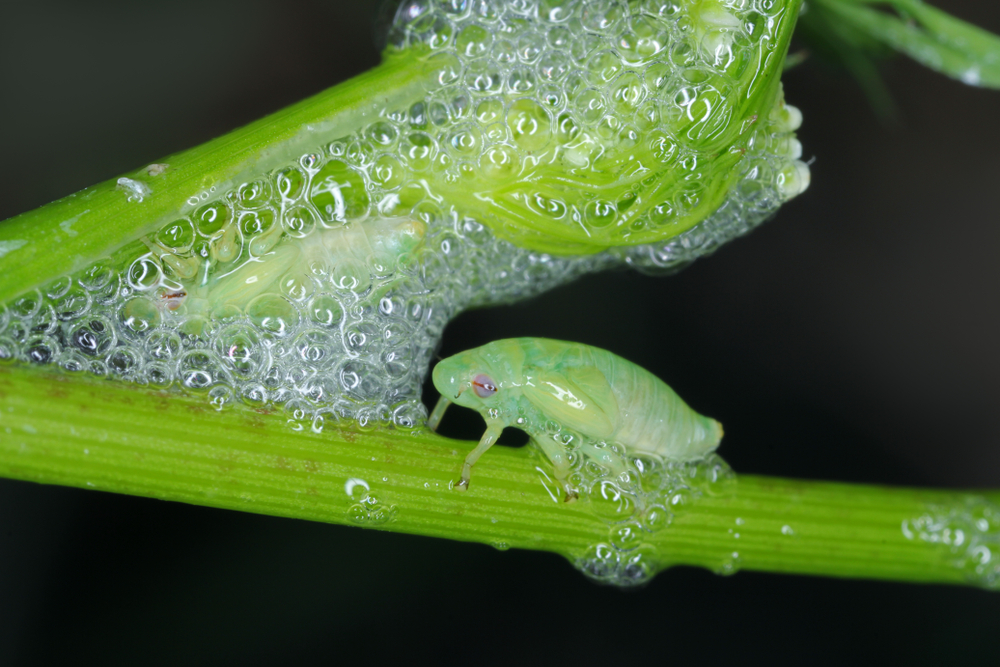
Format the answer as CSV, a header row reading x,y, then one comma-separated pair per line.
x,y
554,138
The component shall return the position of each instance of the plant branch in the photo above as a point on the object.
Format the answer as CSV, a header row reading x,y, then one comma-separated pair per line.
x,y
69,430
69,234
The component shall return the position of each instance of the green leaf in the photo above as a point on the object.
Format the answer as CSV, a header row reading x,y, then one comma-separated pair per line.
x,y
853,50
928,35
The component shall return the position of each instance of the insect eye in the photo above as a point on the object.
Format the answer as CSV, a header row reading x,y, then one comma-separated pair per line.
x,y
483,386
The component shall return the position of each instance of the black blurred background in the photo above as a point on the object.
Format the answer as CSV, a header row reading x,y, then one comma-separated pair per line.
x,y
854,338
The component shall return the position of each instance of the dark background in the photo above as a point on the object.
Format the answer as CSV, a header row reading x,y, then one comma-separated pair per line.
x,y
852,338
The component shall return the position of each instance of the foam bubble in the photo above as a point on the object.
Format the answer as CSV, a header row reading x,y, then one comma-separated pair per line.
x,y
967,532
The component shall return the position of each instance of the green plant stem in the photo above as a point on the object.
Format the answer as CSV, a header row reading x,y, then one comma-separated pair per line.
x,y
71,233
76,431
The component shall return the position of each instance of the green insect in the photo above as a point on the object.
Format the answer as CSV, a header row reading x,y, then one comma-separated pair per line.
x,y
527,382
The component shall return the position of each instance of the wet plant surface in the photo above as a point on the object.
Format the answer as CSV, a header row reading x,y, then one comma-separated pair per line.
x,y
798,325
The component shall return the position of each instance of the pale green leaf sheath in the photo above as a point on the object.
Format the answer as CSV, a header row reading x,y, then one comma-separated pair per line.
x,y
272,299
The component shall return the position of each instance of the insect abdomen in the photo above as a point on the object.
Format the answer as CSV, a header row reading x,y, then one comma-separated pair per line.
x,y
654,419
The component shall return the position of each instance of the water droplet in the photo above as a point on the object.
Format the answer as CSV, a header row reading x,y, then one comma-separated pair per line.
x,y
95,336
351,275
529,125
273,314
657,517
474,42
177,236
212,217
298,221
58,287
355,486
730,564
135,190
240,350
73,304
97,276
338,192
139,314
123,361
254,194
325,310
290,183
358,514
626,536
144,274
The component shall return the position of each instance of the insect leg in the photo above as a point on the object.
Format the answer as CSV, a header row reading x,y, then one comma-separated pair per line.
x,y
493,431
560,464
435,419
604,457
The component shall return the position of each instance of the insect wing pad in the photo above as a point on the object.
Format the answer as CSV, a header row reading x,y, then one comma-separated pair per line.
x,y
579,398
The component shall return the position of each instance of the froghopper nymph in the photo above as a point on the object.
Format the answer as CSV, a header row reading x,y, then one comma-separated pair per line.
x,y
529,382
